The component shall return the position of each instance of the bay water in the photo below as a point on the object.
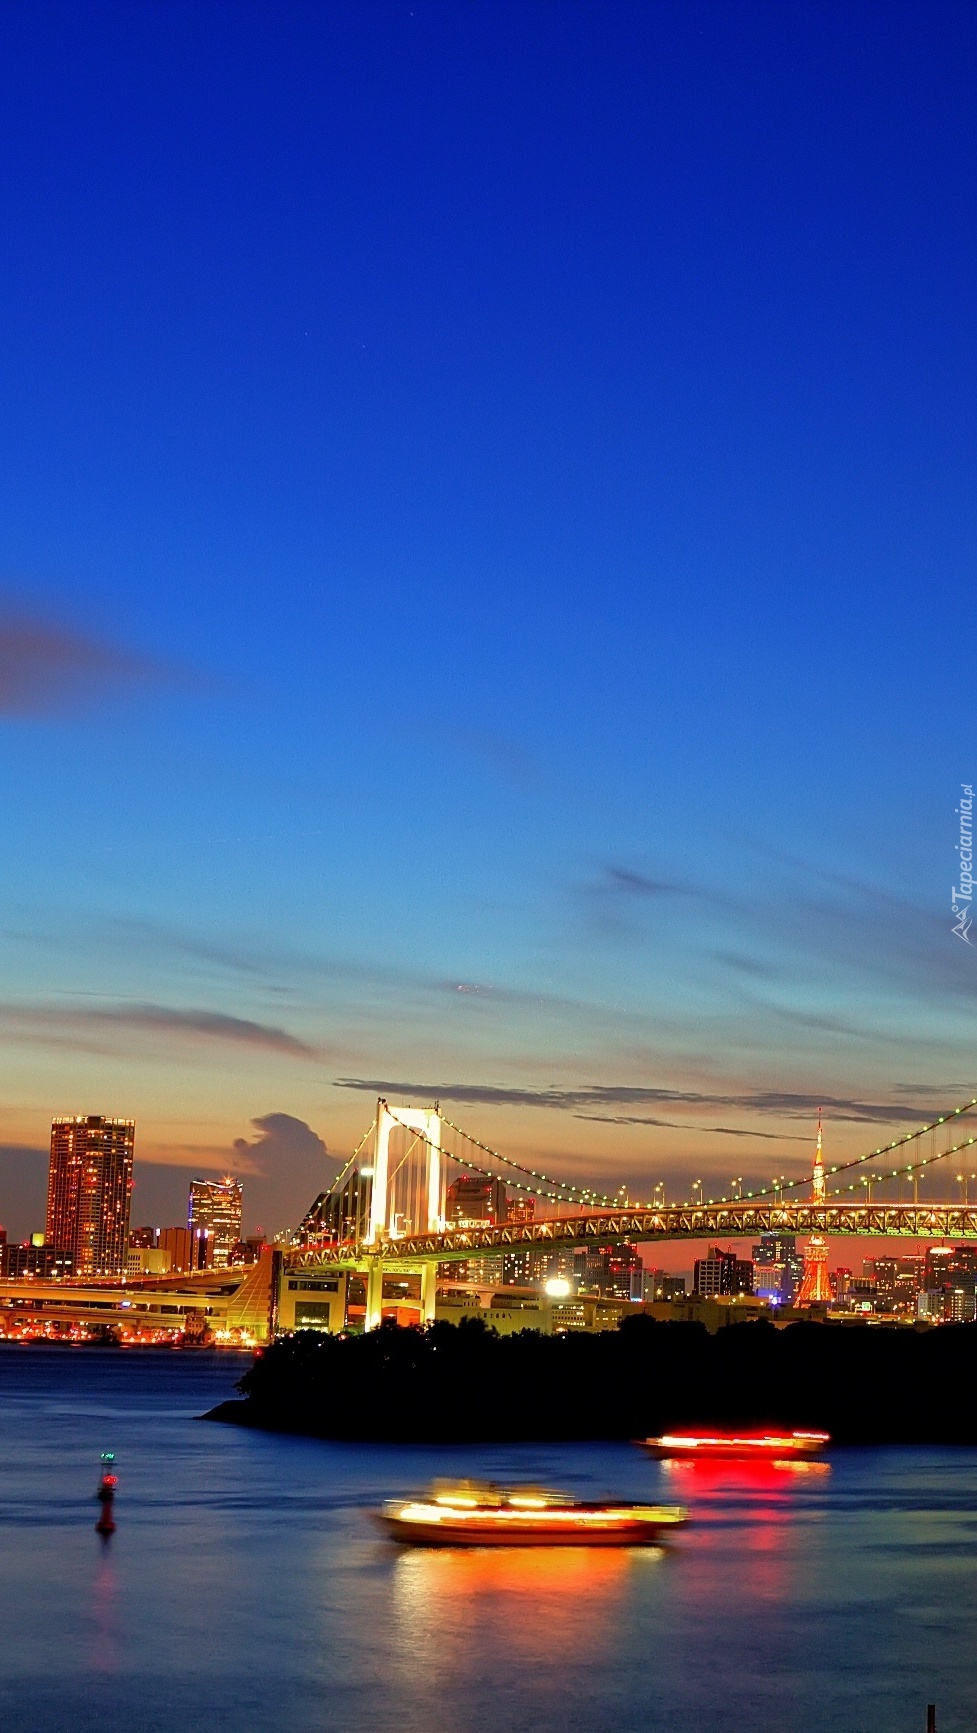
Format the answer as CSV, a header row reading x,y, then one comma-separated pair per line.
x,y
247,1589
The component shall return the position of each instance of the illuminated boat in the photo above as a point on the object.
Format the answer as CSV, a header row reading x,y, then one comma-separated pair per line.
x,y
762,1446
467,1513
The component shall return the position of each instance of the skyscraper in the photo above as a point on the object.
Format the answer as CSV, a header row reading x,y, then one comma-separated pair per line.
x,y
216,1204
89,1192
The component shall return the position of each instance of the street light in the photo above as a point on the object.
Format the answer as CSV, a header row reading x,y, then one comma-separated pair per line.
x,y
697,1183
738,1181
659,1201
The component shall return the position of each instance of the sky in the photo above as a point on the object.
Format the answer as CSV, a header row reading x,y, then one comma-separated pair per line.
x,y
487,522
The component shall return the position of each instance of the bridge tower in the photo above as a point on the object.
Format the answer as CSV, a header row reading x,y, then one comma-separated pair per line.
x,y
427,1123
815,1284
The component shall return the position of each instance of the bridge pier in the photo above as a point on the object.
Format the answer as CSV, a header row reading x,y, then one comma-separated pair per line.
x,y
429,1288
374,1294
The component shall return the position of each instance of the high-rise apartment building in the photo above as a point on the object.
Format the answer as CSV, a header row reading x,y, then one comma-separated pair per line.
x,y
89,1192
216,1204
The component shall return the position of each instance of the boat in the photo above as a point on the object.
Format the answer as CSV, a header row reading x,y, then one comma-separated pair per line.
x,y
768,1445
471,1513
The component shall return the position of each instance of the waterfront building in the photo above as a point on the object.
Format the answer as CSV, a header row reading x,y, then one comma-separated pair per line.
x,y
89,1192
189,1248
216,1204
34,1257
148,1261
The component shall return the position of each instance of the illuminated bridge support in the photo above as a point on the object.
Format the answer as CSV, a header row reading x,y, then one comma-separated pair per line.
x,y
377,1268
429,1288
374,1294
427,1123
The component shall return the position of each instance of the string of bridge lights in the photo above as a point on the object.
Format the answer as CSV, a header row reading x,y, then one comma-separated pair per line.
x,y
581,1195
532,1191
564,1185
860,1161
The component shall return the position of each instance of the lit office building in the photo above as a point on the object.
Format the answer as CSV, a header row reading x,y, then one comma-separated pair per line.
x,y
89,1192
778,1268
662,1285
898,1281
722,1273
216,1204
475,1198
613,1272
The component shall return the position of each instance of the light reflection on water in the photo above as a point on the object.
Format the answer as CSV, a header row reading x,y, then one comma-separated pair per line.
x,y
247,1590
519,1599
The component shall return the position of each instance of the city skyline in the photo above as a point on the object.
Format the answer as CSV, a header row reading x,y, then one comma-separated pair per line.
x,y
480,504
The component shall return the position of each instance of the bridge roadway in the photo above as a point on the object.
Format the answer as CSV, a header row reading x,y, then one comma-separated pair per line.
x,y
740,1220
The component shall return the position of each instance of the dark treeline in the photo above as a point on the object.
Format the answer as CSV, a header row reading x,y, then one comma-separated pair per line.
x,y
455,1383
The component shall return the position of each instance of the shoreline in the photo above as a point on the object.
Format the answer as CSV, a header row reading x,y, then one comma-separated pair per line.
x,y
462,1384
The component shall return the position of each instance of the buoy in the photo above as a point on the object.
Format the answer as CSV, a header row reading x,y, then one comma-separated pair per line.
x,y
106,1495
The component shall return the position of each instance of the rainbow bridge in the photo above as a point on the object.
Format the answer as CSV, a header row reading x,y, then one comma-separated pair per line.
x,y
388,1209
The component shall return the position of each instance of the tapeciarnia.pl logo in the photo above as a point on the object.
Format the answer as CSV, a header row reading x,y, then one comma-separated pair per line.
x,y
962,895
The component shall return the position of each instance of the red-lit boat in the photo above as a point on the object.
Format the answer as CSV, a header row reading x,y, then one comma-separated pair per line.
x,y
769,1445
471,1514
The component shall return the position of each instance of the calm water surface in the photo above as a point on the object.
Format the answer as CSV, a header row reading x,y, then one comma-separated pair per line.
x,y
245,1588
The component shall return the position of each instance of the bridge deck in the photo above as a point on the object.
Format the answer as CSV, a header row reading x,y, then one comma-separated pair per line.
x,y
671,1222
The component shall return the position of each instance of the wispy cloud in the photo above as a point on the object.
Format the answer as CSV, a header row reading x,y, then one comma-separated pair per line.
x,y
47,669
587,1101
688,1125
625,882
104,1024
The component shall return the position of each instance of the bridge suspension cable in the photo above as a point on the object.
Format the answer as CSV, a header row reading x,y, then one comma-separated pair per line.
x,y
873,1155
535,1183
583,1193
580,1198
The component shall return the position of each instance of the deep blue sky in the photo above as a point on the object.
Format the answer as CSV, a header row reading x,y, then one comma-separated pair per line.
x,y
487,501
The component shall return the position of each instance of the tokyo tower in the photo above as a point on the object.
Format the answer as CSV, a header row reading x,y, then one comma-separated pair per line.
x,y
815,1284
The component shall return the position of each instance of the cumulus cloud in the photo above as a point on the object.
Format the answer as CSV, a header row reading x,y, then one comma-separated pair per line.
x,y
290,1165
23,1187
